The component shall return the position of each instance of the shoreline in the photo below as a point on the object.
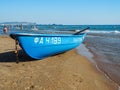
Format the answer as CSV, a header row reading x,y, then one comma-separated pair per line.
x,y
92,58
65,71
102,67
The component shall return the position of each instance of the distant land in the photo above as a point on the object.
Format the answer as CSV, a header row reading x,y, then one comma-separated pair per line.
x,y
17,23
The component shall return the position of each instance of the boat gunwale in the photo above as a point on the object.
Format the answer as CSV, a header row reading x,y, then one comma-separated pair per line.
x,y
44,35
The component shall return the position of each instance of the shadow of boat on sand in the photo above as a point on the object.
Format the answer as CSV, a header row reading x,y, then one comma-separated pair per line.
x,y
11,57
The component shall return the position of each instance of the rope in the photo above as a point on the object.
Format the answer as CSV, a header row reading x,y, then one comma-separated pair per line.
x,y
16,51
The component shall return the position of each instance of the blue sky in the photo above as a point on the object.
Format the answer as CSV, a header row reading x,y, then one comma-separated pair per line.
x,y
61,11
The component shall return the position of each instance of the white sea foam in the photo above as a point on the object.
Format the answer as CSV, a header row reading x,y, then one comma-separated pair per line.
x,y
116,31
101,31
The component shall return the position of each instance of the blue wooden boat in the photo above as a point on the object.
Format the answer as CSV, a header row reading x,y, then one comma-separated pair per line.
x,y
39,46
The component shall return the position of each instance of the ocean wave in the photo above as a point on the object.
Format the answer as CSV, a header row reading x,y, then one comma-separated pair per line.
x,y
101,31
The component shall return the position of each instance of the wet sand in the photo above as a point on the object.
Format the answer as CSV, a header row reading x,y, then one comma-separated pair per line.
x,y
67,71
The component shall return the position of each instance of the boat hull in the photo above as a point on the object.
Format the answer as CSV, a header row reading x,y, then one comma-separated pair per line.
x,y
39,46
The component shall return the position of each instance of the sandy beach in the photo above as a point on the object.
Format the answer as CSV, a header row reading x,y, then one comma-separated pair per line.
x,y
67,71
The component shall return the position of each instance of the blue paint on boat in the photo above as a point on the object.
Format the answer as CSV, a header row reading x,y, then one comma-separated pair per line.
x,y
39,46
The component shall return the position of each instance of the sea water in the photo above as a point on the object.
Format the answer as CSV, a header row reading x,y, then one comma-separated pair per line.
x,y
102,40
106,49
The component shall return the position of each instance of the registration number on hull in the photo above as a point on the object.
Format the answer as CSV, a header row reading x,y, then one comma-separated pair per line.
x,y
47,40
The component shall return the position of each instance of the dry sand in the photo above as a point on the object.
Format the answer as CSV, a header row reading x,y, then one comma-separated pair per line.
x,y
67,71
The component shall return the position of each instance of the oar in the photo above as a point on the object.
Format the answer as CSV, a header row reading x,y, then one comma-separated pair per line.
x,y
81,31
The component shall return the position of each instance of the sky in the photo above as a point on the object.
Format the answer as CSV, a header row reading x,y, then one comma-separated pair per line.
x,y
73,12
